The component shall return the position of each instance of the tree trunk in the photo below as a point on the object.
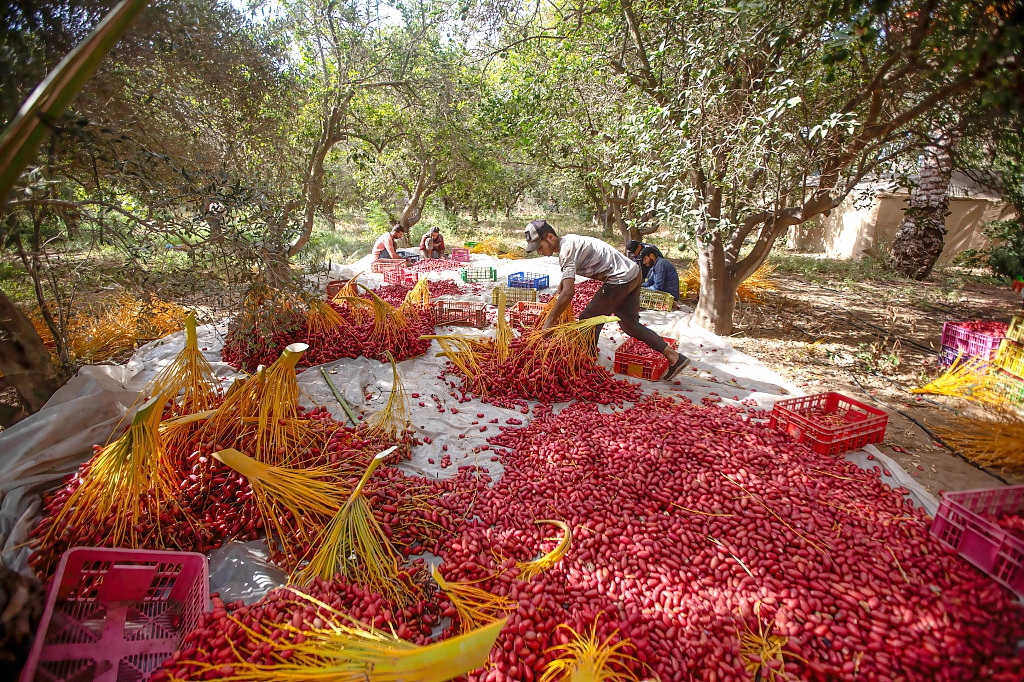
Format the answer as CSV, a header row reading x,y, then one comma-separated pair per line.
x,y
619,201
426,184
615,218
717,289
213,214
24,359
918,242
313,181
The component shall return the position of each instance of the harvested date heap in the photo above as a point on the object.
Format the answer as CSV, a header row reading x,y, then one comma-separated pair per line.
x,y
159,486
677,542
547,365
436,265
697,533
353,324
395,293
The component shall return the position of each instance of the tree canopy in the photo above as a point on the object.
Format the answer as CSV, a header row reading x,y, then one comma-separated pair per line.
x,y
232,132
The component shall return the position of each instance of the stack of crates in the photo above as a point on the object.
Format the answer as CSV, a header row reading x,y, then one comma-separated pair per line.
x,y
958,339
1009,363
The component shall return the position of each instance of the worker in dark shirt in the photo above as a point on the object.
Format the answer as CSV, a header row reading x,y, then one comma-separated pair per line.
x,y
662,275
633,249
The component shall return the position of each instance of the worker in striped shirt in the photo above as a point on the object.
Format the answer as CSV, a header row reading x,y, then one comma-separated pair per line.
x,y
620,295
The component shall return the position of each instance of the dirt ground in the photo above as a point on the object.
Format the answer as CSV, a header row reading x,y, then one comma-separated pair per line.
x,y
873,341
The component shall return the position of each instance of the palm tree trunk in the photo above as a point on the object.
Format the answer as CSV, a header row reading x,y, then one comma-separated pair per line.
x,y
919,239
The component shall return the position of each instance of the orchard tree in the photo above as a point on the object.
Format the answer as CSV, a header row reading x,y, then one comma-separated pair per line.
x,y
171,118
426,136
357,65
742,121
553,101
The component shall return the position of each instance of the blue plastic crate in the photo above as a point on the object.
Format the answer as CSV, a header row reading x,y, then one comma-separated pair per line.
x,y
528,280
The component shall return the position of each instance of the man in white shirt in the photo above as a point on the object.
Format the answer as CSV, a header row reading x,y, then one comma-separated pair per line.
x,y
386,243
620,295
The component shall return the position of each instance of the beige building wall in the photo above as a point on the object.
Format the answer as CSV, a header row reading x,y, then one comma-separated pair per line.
x,y
854,230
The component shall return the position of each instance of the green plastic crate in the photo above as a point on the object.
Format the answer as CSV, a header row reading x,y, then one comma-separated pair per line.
x,y
470,245
1010,387
478,275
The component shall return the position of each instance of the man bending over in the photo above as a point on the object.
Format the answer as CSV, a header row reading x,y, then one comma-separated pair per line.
x,y
620,295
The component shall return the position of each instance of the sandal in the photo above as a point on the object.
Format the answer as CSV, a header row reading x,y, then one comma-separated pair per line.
x,y
678,367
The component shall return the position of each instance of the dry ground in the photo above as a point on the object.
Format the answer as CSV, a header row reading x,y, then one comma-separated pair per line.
x,y
872,341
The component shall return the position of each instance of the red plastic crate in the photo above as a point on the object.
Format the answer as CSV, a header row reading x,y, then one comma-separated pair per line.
x,y
116,614
460,254
333,287
635,359
459,313
401,276
963,522
957,336
383,264
524,314
861,425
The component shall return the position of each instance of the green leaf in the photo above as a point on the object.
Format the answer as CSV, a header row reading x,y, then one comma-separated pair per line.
x,y
51,97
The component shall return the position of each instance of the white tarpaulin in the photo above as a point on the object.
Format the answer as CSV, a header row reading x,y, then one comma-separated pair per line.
x,y
38,452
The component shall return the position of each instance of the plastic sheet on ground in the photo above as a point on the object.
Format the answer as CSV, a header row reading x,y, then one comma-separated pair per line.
x,y
240,570
37,453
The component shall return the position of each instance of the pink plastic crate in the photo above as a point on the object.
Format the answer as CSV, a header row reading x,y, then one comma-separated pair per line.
x,y
957,336
460,254
116,614
861,424
963,523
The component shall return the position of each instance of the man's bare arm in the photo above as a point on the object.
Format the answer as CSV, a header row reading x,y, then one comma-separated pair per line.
x,y
566,290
